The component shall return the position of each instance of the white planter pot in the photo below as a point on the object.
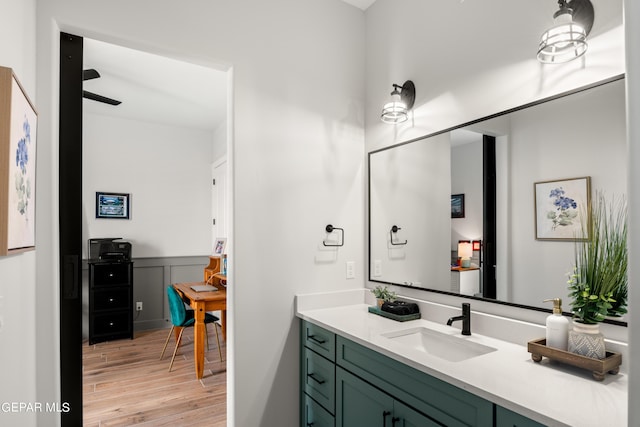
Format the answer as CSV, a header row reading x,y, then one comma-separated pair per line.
x,y
586,340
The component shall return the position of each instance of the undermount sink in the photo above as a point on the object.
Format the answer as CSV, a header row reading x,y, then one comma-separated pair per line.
x,y
453,348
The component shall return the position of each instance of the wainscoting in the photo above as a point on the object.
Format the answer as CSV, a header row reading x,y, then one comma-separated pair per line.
x,y
151,276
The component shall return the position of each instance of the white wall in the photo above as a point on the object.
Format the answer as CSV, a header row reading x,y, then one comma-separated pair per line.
x,y
297,158
167,172
632,38
18,281
489,65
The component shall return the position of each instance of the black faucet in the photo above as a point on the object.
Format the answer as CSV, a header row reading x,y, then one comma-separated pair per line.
x,y
466,319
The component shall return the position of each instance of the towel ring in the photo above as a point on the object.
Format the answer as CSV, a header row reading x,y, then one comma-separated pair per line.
x,y
329,229
395,229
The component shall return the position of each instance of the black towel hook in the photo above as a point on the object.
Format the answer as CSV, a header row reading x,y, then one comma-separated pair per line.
x,y
395,229
329,229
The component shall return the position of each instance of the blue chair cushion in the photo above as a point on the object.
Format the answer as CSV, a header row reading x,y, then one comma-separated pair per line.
x,y
180,316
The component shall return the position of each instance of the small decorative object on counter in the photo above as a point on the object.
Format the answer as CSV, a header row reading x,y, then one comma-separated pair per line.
x,y
598,367
557,326
382,294
586,340
598,285
400,308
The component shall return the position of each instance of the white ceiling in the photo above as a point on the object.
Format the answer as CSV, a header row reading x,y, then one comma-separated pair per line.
x,y
154,88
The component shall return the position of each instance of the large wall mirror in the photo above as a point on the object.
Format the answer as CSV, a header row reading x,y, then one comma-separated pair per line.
x,y
418,230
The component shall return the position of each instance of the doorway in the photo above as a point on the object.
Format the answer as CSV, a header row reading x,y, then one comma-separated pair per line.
x,y
77,208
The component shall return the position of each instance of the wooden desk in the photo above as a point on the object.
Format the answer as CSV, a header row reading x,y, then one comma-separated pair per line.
x,y
202,302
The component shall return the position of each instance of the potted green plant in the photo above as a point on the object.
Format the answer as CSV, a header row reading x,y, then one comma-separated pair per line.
x,y
598,285
382,294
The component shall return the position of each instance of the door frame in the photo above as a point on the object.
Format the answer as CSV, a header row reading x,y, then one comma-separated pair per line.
x,y
70,223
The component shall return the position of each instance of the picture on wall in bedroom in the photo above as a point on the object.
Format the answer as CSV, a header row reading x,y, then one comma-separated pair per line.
x,y
112,205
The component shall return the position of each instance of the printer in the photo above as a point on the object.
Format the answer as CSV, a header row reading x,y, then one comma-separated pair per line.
x,y
109,250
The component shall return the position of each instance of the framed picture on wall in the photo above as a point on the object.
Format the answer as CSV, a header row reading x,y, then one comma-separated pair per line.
x,y
560,207
457,206
18,126
112,205
219,245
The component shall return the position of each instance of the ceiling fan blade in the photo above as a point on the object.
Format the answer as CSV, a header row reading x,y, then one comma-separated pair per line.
x,y
90,74
95,97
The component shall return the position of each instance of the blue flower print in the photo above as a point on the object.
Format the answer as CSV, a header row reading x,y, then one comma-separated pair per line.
x,y
566,209
22,181
22,156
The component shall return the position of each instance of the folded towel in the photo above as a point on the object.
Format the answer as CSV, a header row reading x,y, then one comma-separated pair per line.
x,y
400,307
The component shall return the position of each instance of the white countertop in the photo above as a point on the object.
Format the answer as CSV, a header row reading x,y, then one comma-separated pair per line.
x,y
548,392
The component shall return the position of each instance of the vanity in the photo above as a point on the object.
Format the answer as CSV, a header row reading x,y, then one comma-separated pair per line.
x,y
360,369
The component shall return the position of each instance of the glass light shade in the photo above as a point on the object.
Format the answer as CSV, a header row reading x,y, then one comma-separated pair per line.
x,y
394,111
563,42
465,250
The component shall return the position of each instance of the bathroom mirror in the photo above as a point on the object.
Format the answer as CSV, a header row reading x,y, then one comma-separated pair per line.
x,y
415,229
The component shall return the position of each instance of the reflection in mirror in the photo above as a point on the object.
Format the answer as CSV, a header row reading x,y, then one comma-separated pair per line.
x,y
578,134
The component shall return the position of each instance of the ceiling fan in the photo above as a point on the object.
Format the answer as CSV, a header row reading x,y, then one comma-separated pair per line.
x,y
93,74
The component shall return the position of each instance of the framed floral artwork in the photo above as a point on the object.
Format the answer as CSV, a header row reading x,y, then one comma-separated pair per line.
x,y
18,126
561,207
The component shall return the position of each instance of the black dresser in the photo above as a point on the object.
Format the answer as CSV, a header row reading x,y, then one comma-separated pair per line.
x,y
111,294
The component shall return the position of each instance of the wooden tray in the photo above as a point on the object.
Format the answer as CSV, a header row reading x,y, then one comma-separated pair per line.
x,y
611,363
399,318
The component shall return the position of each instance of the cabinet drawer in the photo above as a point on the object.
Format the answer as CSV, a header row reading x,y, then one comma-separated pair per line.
x,y
112,299
507,418
315,415
444,403
114,274
319,378
112,323
319,339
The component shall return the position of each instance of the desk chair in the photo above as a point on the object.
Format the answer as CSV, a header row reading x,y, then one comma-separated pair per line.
x,y
183,318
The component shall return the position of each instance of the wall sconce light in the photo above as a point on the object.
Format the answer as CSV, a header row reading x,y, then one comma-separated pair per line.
x,y
567,39
465,252
402,99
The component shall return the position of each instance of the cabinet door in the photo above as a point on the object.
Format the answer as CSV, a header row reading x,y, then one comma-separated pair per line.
x,y
404,416
315,415
507,418
318,376
358,404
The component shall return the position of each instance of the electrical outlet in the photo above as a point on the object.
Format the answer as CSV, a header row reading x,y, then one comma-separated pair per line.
x,y
377,268
351,270
139,306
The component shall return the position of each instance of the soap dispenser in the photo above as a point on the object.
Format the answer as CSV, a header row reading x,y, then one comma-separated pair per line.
x,y
557,326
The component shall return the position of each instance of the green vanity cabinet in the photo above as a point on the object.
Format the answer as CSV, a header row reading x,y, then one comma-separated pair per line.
x,y
440,401
317,376
507,418
359,404
345,384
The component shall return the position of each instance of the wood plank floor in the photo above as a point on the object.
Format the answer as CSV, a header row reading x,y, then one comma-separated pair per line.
x,y
126,384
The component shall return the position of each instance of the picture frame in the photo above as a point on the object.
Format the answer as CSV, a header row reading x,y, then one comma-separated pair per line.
x,y
112,205
560,208
18,136
457,206
219,245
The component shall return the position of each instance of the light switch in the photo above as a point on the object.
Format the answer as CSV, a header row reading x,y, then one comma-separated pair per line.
x,y
377,268
351,270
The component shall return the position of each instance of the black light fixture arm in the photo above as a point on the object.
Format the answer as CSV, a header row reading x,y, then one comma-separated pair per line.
x,y
395,229
330,229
